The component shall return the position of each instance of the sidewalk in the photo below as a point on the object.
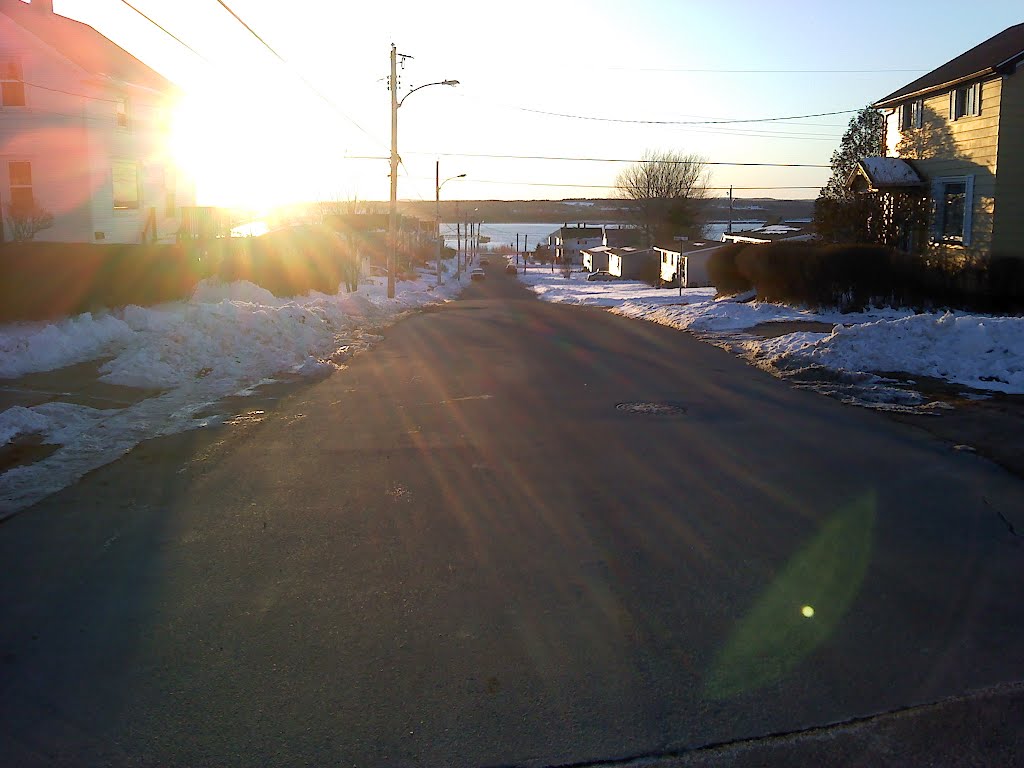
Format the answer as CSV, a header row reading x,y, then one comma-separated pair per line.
x,y
985,728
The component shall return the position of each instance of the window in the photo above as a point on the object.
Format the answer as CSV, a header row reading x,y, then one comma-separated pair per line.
x,y
965,101
12,85
954,199
126,185
912,114
20,172
122,112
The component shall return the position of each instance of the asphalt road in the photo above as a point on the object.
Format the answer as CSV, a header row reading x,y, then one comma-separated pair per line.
x,y
460,551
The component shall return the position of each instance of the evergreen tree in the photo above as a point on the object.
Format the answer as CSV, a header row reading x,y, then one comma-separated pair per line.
x,y
863,138
839,214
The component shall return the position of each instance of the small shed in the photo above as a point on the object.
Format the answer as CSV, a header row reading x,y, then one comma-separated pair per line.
x,y
692,257
634,263
595,258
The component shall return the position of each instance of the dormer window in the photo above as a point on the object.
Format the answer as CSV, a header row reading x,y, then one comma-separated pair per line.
x,y
121,113
12,83
965,101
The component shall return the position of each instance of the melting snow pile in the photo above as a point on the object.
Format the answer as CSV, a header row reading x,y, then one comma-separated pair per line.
x,y
227,340
978,351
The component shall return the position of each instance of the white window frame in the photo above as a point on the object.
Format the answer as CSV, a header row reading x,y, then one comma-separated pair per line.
x,y
19,65
122,119
11,186
138,186
911,114
965,101
939,196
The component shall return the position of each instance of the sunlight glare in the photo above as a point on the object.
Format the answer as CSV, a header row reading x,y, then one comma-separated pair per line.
x,y
248,146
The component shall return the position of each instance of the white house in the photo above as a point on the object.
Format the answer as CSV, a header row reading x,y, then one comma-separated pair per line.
x,y
83,132
692,258
569,241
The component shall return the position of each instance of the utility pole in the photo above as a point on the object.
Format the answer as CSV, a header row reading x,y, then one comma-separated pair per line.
x,y
437,215
730,209
393,207
458,249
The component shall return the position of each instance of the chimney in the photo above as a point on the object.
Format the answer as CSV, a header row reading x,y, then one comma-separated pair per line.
x,y
42,6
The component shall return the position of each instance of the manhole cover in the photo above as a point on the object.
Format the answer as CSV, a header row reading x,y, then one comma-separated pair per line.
x,y
653,409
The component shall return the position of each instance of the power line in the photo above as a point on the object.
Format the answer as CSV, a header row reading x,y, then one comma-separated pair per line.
x,y
682,122
71,93
166,31
296,72
613,186
765,71
616,160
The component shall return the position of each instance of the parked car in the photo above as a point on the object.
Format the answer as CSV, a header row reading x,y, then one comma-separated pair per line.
x,y
477,274
510,269
600,275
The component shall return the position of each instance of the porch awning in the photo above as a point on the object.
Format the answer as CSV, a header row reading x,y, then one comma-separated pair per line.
x,y
875,174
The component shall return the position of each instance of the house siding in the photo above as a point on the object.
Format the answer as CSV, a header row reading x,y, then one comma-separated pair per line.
x,y
967,146
49,133
1008,226
71,139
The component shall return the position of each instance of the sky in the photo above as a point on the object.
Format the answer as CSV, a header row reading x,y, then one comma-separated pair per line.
x,y
314,124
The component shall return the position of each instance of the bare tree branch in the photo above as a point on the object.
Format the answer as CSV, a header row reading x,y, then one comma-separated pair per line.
x,y
667,189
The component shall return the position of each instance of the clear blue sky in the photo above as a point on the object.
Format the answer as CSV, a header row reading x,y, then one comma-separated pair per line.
x,y
251,123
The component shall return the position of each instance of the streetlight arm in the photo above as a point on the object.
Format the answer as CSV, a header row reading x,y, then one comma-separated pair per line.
x,y
450,178
421,87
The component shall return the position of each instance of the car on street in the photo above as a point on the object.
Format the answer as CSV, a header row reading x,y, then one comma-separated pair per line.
x,y
477,274
484,261
600,275
510,269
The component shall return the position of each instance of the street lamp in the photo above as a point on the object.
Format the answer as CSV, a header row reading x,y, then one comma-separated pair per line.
x,y
393,209
437,202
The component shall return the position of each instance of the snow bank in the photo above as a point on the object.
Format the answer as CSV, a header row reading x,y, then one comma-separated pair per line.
x,y
34,347
975,350
227,340
979,351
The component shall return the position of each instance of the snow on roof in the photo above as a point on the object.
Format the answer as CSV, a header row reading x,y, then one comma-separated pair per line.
x,y
884,172
777,229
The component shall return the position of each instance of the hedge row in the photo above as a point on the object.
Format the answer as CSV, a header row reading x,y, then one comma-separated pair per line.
x,y
43,281
852,277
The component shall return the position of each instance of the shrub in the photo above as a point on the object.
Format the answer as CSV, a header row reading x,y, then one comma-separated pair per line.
x,y
722,270
287,262
852,277
44,281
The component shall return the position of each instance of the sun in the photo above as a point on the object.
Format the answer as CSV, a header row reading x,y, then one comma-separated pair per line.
x,y
244,146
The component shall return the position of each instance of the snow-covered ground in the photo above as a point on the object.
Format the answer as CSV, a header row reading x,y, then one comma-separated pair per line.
x,y
977,351
227,340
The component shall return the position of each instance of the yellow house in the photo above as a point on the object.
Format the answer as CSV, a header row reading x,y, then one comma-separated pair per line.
x,y
961,128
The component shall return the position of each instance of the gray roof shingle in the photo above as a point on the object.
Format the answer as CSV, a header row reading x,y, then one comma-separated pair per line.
x,y
1002,50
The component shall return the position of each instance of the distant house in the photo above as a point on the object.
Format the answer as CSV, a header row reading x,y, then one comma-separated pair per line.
x,y
83,132
772,233
956,137
568,242
692,258
621,237
596,258
634,263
